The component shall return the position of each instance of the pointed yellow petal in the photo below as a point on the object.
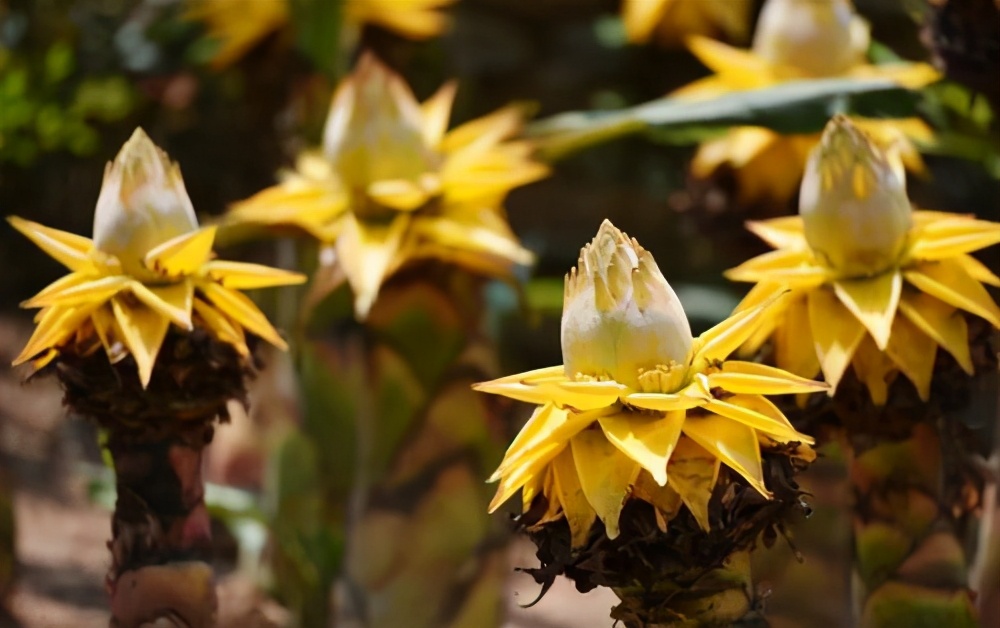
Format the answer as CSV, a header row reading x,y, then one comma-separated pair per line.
x,y
794,347
70,293
549,428
399,194
243,276
367,253
436,111
68,249
171,301
693,475
577,510
143,330
758,379
913,352
942,322
241,309
55,326
952,237
587,395
741,68
836,334
531,387
221,327
103,319
731,442
182,255
718,342
873,301
446,231
778,430
519,475
606,476
640,17
760,293
782,233
977,270
947,280
648,440
795,268
691,396
874,368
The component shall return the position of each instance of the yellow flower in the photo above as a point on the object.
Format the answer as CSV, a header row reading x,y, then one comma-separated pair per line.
x,y
873,283
640,409
390,186
671,20
239,25
795,39
148,266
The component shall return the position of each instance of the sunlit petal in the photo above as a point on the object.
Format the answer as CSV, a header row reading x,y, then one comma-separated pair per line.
x,y
606,475
366,253
779,430
648,440
796,268
222,327
977,270
942,322
579,514
693,473
753,378
68,249
719,341
741,68
875,370
241,309
953,236
171,301
836,334
787,232
873,301
85,289
913,351
947,280
243,276
54,327
731,442
182,255
143,330
794,346
436,111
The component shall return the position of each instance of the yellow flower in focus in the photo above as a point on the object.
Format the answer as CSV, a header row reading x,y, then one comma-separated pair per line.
x,y
239,25
640,409
796,39
672,20
148,266
390,186
874,284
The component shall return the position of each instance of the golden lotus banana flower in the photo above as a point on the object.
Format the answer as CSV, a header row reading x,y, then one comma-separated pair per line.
x,y
149,266
671,20
390,185
239,25
796,39
874,284
640,409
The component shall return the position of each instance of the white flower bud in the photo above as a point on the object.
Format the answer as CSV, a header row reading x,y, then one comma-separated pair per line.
x,y
620,316
142,204
818,37
853,202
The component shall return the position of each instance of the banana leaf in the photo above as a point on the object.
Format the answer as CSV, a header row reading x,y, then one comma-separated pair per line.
x,y
795,107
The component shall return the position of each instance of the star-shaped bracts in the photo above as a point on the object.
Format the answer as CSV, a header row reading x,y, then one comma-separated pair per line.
x,y
149,266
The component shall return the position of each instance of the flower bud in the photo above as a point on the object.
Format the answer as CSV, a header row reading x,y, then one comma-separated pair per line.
x,y
142,204
818,37
620,316
853,202
373,132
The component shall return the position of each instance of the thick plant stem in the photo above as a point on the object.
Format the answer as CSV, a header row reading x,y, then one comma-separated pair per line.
x,y
161,531
722,597
422,551
910,535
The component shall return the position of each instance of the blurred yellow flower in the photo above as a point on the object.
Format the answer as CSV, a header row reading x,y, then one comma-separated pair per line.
x,y
640,409
795,39
873,283
672,20
148,265
239,25
390,185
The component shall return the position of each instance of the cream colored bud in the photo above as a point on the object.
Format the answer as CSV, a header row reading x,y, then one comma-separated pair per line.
x,y
620,316
142,204
818,37
853,202
373,132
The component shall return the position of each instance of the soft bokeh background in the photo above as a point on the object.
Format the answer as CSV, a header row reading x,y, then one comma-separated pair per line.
x,y
77,76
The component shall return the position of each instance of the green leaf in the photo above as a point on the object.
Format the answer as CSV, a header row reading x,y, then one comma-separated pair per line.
x,y
317,32
795,107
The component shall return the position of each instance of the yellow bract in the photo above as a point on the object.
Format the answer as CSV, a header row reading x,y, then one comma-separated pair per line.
x,y
672,20
239,25
894,291
390,185
149,266
796,39
623,424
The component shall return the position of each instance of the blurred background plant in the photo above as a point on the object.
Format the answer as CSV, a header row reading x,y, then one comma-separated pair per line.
x,y
98,68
